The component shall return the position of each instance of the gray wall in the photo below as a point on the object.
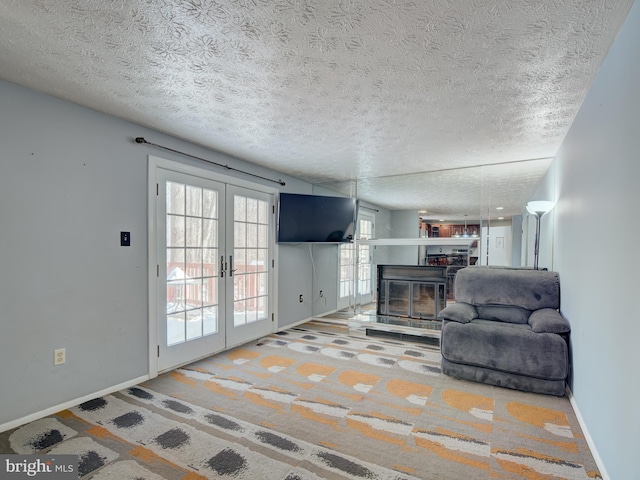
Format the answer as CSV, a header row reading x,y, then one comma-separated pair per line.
x,y
71,180
325,269
404,224
597,175
325,278
499,255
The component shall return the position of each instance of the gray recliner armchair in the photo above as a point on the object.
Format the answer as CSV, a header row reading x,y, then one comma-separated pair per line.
x,y
504,329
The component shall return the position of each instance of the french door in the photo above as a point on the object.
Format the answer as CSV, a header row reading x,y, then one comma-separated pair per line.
x,y
214,268
365,261
250,268
355,269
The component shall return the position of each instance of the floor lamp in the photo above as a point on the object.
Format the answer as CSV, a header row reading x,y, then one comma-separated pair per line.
x,y
538,209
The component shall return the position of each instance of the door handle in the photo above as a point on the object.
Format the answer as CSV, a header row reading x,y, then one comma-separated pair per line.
x,y
221,266
231,269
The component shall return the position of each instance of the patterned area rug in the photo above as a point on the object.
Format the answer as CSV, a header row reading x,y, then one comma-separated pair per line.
x,y
317,401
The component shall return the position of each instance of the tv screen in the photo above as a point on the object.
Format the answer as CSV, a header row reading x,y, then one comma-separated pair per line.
x,y
316,219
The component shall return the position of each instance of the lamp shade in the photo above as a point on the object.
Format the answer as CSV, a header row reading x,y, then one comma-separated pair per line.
x,y
539,207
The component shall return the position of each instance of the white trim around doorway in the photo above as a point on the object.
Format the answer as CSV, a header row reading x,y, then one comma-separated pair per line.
x,y
155,163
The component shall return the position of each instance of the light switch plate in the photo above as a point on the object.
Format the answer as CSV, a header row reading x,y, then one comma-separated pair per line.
x,y
125,239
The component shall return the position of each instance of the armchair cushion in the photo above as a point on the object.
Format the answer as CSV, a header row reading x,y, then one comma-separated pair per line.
x,y
548,320
530,289
502,313
505,347
459,312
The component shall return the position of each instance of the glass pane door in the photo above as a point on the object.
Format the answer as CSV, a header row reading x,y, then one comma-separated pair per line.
x,y
365,267
356,282
399,298
212,257
346,254
250,265
423,304
190,215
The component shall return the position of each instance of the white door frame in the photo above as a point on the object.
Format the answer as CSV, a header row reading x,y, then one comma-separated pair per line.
x,y
368,297
155,163
355,298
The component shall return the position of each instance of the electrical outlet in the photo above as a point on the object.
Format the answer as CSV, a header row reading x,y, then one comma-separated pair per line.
x,y
321,294
300,299
59,356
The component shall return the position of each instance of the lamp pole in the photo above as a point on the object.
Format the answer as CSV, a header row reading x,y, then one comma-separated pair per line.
x,y
538,209
537,244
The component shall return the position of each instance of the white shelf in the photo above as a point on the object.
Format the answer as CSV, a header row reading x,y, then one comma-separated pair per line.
x,y
420,241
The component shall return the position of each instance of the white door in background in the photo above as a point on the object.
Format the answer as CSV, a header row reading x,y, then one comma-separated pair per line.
x,y
355,269
346,275
214,266
365,261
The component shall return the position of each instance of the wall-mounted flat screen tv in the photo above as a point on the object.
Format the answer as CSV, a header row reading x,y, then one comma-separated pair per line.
x,y
316,219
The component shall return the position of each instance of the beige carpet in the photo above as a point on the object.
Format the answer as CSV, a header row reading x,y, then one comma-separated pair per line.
x,y
317,401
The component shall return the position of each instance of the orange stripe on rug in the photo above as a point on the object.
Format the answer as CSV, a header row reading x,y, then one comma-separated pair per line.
x,y
370,432
447,454
147,456
481,427
182,378
522,470
416,393
536,416
467,401
241,355
275,363
309,414
217,388
403,469
359,381
66,414
103,433
315,372
570,447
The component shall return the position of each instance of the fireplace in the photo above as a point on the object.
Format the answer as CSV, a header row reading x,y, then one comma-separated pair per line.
x,y
413,291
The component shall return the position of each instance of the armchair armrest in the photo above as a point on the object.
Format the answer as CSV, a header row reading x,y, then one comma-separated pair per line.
x,y
548,320
459,312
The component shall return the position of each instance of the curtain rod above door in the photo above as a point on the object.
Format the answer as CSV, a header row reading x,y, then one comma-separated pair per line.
x,y
142,140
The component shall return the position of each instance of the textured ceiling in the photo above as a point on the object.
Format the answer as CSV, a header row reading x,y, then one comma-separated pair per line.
x,y
456,193
332,90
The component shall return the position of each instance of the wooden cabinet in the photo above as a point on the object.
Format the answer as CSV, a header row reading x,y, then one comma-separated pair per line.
x,y
439,230
443,230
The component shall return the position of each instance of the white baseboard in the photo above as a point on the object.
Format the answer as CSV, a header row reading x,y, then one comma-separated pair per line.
x,y
295,324
587,436
71,403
